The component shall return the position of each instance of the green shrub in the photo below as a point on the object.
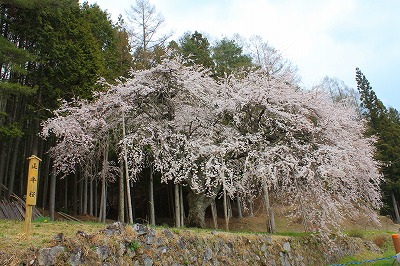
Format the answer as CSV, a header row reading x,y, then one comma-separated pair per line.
x,y
356,233
379,241
133,246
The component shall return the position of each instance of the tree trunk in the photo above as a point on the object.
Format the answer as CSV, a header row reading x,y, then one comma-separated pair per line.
x,y
132,199
303,213
75,194
251,208
45,176
177,206
96,199
151,199
36,127
85,195
170,201
23,179
121,205
239,207
103,192
226,213
198,203
81,184
52,200
181,206
65,193
23,171
103,201
42,174
2,164
128,195
395,207
91,204
7,167
268,209
229,207
125,203
128,188
13,166
214,214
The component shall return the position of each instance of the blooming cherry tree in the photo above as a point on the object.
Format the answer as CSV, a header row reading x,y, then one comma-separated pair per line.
x,y
242,136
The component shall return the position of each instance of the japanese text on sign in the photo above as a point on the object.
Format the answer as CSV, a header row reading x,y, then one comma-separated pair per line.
x,y
33,170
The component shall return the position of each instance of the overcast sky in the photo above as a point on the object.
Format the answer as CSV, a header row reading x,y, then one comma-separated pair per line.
x,y
323,37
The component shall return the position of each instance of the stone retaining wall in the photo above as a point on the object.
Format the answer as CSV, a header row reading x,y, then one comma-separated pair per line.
x,y
120,244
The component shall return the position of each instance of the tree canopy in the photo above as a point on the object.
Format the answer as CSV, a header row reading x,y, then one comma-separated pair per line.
x,y
197,48
228,57
238,135
145,32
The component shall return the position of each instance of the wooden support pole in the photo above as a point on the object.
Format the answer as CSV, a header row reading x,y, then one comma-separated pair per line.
x,y
177,206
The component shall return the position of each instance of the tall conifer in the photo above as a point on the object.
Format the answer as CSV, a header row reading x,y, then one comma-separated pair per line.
x,y
384,124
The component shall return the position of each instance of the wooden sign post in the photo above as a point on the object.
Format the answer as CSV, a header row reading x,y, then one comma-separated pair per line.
x,y
31,192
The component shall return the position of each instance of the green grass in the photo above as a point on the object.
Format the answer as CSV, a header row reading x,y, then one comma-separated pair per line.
x,y
294,234
356,233
360,258
388,251
42,219
12,232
